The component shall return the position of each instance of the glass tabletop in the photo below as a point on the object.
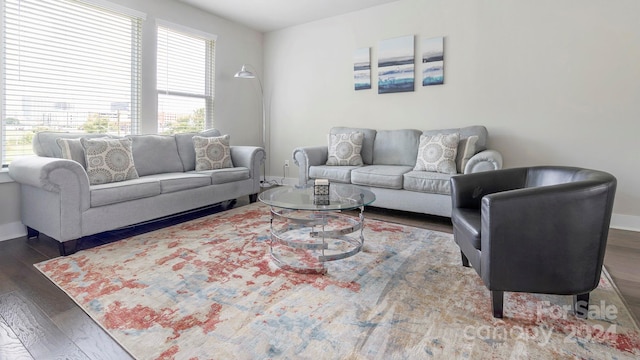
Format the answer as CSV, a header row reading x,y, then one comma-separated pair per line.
x,y
341,197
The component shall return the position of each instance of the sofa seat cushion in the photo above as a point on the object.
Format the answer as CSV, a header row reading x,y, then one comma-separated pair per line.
x,y
383,176
427,182
112,193
227,175
341,174
172,182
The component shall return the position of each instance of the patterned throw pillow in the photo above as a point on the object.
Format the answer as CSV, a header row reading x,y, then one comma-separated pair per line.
x,y
212,153
437,153
108,160
344,149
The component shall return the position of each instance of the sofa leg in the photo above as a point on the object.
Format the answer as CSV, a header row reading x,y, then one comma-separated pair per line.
x,y
32,233
253,198
581,305
68,247
497,298
465,261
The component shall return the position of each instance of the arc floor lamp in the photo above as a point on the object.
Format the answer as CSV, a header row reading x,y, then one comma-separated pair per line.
x,y
245,73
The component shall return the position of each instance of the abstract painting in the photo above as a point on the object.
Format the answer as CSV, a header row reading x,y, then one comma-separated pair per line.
x,y
396,65
433,61
362,69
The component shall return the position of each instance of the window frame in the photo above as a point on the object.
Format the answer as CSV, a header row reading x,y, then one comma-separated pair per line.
x,y
210,49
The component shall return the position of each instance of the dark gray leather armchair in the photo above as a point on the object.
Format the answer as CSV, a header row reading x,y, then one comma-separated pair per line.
x,y
537,229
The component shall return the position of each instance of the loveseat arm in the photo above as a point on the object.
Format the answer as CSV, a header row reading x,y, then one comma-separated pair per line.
x,y
62,176
308,156
484,161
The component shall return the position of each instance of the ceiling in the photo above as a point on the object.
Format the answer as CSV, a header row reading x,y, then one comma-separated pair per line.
x,y
269,15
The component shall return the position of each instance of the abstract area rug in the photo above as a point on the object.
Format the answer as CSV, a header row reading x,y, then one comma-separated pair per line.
x,y
207,289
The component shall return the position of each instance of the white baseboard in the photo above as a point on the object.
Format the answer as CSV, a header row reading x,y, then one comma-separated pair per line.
x,y
12,230
625,222
282,181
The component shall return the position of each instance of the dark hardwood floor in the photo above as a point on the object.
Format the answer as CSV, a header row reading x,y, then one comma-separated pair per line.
x,y
39,321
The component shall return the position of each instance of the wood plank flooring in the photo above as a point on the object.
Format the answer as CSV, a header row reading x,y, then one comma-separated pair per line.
x,y
38,321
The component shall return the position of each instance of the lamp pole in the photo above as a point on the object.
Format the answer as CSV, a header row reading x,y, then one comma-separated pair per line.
x,y
245,73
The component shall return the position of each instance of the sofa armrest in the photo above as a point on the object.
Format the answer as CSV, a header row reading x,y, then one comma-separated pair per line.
x,y
309,156
484,161
247,156
250,157
62,176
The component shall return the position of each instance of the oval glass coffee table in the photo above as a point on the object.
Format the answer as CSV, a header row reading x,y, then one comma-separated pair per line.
x,y
308,230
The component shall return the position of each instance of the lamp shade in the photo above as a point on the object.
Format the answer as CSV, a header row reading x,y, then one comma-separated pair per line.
x,y
244,73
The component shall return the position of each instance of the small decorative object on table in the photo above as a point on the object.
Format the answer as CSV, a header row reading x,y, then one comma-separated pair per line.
x,y
321,192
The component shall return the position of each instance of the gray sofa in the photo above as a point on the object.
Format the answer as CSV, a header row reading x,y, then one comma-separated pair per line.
x,y
389,157
58,200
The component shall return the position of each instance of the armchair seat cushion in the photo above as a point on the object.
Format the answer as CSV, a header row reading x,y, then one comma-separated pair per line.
x,y
468,222
383,176
340,174
427,182
111,193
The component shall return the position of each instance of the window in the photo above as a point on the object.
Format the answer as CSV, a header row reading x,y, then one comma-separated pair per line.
x,y
67,66
185,80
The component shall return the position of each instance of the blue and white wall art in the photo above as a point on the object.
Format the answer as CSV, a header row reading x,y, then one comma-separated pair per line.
x,y
433,61
396,65
362,69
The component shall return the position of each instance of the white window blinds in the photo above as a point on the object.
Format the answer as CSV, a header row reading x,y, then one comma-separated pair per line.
x,y
67,66
185,76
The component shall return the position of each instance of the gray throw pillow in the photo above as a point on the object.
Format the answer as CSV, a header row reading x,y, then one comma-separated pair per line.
x,y
108,160
72,150
466,149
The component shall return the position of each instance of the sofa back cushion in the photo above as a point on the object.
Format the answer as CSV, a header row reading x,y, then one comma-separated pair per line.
x,y
44,142
367,144
186,149
155,154
396,147
465,132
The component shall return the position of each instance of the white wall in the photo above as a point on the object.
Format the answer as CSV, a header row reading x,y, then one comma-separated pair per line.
x,y
237,102
555,82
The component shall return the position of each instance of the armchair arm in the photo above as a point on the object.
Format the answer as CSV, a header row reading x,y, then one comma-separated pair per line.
x,y
484,161
62,176
555,235
309,156
467,190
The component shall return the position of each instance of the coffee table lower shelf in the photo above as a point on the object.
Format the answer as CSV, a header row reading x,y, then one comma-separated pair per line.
x,y
304,240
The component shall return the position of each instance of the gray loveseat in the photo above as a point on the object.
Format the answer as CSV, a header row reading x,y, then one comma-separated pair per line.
x,y
58,200
389,157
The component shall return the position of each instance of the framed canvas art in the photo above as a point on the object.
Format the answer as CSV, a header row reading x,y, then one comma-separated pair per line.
x,y
433,61
362,69
396,65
